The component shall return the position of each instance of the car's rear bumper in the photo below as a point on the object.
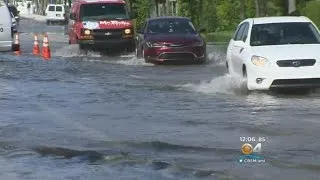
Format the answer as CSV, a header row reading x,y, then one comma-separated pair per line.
x,y
6,46
283,77
107,44
165,54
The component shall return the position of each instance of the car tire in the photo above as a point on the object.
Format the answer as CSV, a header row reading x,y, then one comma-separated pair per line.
x,y
244,83
15,47
48,23
203,61
131,48
83,48
227,66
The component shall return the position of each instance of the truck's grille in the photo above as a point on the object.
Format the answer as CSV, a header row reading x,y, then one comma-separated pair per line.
x,y
105,34
296,62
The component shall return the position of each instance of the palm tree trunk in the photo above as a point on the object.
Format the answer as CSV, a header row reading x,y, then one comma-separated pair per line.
x,y
243,8
291,6
257,8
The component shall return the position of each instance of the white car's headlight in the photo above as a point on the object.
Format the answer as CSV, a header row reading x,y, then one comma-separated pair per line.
x,y
259,61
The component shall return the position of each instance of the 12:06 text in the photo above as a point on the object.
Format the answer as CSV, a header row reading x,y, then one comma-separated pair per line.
x,y
252,139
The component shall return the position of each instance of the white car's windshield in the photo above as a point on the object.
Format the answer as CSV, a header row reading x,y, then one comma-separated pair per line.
x,y
284,33
103,11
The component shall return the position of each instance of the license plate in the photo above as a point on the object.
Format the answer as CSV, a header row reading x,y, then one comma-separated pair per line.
x,y
58,15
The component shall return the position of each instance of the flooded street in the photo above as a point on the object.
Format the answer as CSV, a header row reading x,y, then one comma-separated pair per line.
x,y
99,117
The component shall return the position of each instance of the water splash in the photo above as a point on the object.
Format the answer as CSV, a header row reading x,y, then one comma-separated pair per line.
x,y
123,59
226,84
217,58
74,51
133,61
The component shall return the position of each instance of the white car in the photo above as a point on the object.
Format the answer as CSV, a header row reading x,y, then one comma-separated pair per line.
x,y
55,13
276,52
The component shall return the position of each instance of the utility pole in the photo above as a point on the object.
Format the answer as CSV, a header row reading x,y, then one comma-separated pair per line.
x,y
242,9
257,5
291,6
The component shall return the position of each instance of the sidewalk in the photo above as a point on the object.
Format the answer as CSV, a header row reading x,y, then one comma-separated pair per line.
x,y
24,13
33,16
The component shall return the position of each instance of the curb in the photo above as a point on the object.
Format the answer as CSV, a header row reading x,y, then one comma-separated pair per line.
x,y
217,43
33,18
41,33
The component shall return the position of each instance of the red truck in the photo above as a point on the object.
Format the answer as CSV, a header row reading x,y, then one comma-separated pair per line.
x,y
101,25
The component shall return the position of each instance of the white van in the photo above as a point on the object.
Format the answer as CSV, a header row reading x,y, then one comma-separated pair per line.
x,y
55,13
6,30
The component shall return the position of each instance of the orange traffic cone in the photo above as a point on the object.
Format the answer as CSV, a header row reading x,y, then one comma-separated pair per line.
x,y
16,44
46,54
36,49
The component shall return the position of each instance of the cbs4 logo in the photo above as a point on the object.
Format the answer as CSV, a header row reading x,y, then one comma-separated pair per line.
x,y
249,149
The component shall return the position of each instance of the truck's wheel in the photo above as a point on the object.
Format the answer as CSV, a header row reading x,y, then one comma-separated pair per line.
x,y
83,48
131,49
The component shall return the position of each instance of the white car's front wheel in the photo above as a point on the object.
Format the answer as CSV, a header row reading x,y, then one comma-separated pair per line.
x,y
244,83
227,66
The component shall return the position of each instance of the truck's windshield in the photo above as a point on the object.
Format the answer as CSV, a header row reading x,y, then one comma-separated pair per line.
x,y
103,11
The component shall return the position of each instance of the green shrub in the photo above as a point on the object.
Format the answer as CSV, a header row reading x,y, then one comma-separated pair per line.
x,y
218,37
143,7
312,11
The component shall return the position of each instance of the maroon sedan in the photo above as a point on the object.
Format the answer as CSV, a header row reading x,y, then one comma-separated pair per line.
x,y
164,39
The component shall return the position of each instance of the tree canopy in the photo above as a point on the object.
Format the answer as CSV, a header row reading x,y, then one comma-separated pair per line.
x,y
224,15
